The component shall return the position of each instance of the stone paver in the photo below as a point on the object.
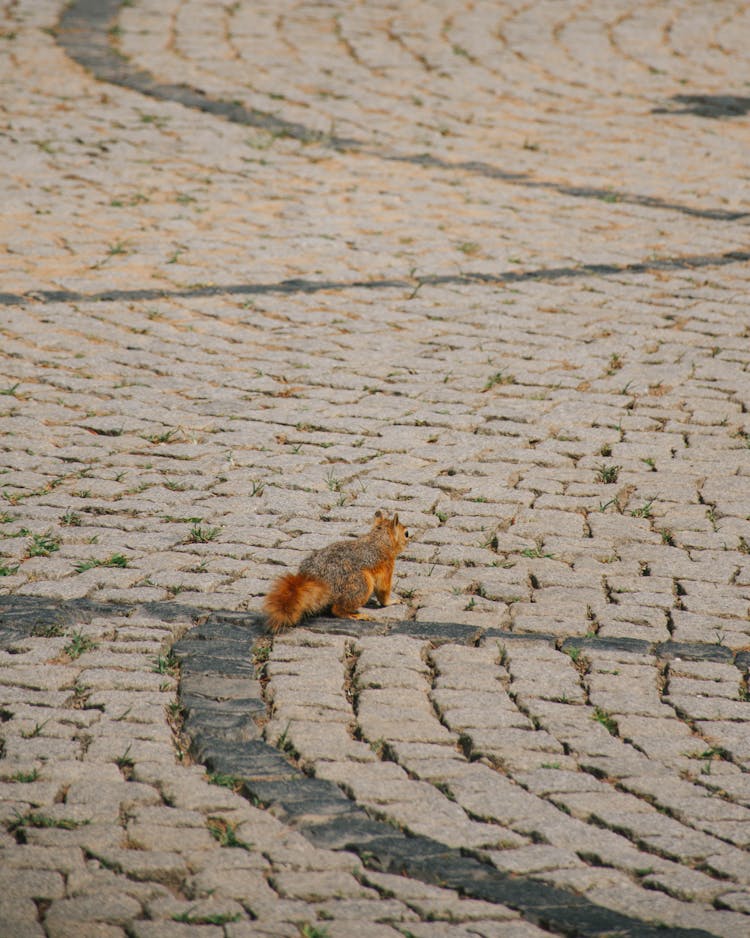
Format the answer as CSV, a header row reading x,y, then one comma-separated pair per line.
x,y
268,267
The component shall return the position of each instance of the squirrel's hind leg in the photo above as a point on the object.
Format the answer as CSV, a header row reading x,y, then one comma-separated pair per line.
x,y
356,592
383,577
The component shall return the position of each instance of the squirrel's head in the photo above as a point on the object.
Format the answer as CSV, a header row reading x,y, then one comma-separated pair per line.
x,y
397,532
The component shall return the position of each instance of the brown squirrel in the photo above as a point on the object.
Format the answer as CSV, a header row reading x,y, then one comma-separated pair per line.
x,y
341,576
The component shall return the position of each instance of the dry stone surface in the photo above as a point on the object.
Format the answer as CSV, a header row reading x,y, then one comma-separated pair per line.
x,y
268,267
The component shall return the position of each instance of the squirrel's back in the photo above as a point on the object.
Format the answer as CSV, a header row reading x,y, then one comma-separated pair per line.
x,y
336,562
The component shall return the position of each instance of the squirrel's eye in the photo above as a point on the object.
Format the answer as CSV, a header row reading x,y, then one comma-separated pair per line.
x,y
406,533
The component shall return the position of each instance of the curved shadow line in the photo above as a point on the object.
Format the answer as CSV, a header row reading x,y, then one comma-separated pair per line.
x,y
24,616
226,739
219,719
83,31
688,262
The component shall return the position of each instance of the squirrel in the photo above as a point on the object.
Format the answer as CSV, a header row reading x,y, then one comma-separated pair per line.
x,y
341,576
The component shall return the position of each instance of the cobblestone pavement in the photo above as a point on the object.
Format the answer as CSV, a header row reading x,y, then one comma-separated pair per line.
x,y
267,267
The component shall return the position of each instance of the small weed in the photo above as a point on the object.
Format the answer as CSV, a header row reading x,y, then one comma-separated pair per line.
x,y
500,377
713,753
644,511
334,484
615,363
71,519
35,819
37,731
7,570
261,652
469,248
536,553
117,247
166,437
201,535
137,489
125,763
158,120
81,693
491,542
209,918
48,630
550,765
607,474
667,537
11,391
580,661
313,931
116,560
78,645
607,721
42,545
165,664
284,743
225,781
175,486
225,833
650,462
25,777
257,488
379,746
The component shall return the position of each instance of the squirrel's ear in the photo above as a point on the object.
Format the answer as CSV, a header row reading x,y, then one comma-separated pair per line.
x,y
394,521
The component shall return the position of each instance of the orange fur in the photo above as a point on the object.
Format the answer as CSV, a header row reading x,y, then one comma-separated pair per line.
x,y
341,576
292,597
383,575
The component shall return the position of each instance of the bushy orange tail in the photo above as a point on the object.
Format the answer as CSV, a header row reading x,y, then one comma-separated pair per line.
x,y
293,596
